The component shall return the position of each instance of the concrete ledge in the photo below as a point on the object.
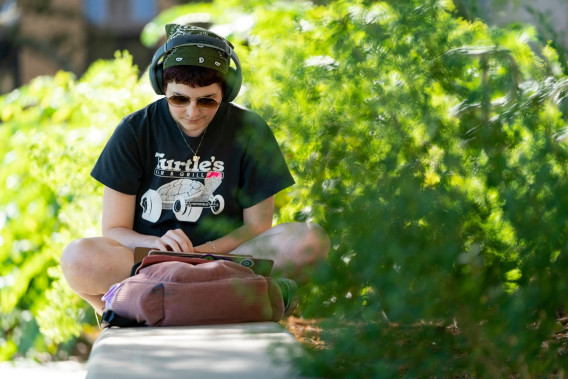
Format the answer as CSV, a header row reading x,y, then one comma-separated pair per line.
x,y
249,350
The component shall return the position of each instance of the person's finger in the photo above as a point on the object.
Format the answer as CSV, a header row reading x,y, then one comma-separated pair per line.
x,y
159,245
170,243
178,241
186,245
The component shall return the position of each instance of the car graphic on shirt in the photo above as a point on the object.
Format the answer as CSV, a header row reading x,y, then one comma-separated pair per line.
x,y
185,197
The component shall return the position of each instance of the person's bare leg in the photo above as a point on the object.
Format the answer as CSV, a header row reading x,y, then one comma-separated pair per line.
x,y
294,247
92,265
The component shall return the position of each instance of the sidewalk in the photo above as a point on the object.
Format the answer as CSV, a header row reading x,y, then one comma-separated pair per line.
x,y
250,350
53,370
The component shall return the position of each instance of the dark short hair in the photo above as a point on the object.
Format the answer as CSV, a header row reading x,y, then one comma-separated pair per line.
x,y
193,76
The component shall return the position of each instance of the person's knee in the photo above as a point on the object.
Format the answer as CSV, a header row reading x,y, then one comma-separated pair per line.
x,y
311,240
318,240
308,245
75,256
92,265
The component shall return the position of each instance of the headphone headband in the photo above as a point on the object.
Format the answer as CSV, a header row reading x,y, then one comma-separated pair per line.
x,y
201,40
233,77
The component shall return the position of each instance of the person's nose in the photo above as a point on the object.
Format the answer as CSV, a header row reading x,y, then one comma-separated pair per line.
x,y
192,109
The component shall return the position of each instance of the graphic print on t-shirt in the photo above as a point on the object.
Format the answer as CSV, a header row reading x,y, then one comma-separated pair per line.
x,y
187,195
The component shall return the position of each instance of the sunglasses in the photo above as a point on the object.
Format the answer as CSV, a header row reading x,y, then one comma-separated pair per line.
x,y
184,101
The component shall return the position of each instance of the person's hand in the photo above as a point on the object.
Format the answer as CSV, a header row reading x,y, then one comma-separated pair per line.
x,y
174,240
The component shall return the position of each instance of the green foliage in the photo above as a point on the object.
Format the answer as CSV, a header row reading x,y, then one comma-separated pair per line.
x,y
53,130
426,146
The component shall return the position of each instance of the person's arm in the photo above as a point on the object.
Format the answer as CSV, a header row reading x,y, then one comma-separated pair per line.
x,y
118,223
256,220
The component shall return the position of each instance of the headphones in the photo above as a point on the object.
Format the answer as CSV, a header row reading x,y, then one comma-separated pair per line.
x,y
233,78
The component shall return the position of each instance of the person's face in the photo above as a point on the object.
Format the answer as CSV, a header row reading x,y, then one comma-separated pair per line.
x,y
193,119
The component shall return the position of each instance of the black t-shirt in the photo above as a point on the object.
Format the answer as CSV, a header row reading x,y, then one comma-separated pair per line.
x,y
240,165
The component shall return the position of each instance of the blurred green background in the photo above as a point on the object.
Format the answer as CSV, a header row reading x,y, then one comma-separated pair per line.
x,y
425,139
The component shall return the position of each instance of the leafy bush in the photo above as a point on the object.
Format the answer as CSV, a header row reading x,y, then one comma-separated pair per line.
x,y
427,147
53,130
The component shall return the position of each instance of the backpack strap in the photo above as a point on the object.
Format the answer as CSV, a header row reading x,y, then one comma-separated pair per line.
x,y
110,318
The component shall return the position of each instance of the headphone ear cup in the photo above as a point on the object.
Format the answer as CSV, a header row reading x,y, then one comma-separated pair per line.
x,y
234,81
156,73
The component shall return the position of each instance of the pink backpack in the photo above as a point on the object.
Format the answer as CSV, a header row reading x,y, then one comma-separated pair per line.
x,y
176,291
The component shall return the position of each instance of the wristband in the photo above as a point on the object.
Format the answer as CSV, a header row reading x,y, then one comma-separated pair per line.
x,y
212,244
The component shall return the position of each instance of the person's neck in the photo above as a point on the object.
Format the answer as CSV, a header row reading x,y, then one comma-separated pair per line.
x,y
192,133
